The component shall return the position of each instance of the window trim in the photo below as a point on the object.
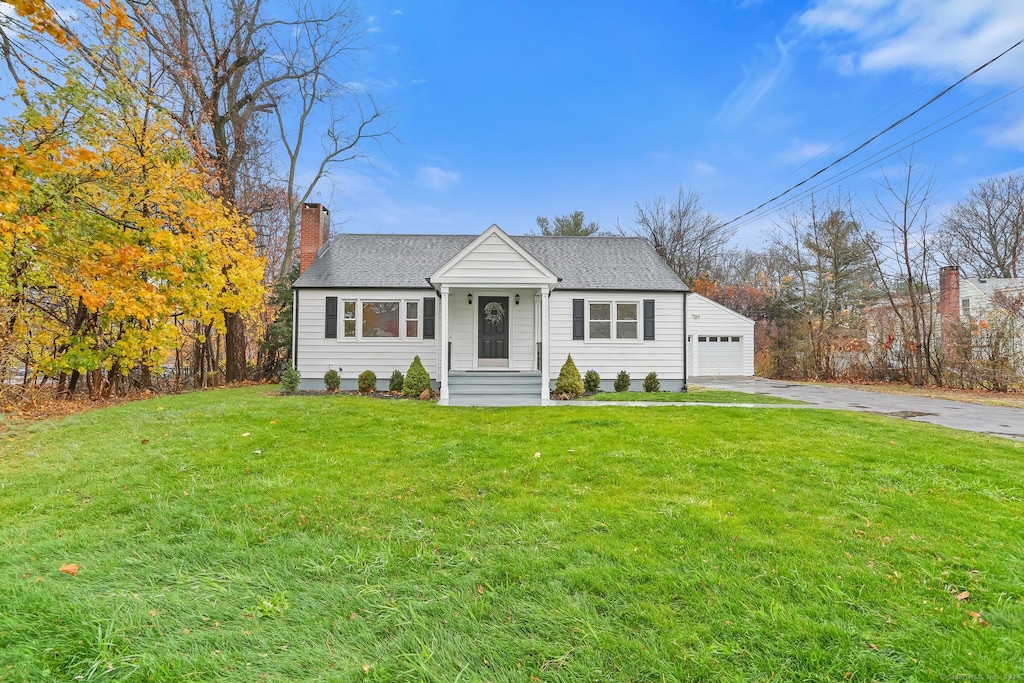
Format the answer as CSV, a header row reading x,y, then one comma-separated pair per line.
x,y
614,321
359,301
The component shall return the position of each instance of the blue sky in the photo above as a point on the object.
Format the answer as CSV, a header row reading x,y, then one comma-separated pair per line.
x,y
506,111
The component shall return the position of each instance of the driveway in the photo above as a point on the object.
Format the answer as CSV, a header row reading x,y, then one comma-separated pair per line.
x,y
971,417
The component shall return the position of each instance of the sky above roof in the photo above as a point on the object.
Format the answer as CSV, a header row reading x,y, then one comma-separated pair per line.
x,y
505,111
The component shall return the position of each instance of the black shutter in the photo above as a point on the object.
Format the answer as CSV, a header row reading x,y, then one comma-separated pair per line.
x,y
331,320
648,318
428,317
577,318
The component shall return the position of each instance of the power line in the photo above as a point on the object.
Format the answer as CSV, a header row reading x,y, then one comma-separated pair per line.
x,y
873,137
877,157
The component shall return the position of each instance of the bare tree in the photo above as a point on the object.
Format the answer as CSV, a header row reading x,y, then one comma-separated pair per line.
x,y
690,238
903,257
984,233
230,65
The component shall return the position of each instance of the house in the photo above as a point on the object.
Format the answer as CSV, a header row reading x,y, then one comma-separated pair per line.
x,y
991,310
491,316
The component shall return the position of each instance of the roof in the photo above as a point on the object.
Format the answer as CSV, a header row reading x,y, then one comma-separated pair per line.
x,y
406,261
993,285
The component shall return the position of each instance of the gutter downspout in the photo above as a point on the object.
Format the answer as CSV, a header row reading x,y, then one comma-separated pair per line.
x,y
295,328
686,344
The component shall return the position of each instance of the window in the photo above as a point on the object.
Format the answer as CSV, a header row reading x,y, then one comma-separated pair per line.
x,y
350,319
965,307
600,321
380,319
397,319
735,339
412,319
613,320
625,321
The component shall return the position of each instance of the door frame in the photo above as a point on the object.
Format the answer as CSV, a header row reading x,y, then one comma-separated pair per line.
x,y
477,296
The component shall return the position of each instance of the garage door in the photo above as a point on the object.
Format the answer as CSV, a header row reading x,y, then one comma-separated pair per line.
x,y
719,355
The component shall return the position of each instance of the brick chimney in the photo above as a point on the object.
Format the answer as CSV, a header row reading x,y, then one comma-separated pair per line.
x,y
314,231
949,306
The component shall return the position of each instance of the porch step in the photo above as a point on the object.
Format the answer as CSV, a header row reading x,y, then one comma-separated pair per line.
x,y
485,388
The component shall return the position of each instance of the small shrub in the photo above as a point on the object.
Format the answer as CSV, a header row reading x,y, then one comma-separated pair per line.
x,y
396,382
332,380
416,379
651,383
367,381
591,382
569,381
290,379
622,381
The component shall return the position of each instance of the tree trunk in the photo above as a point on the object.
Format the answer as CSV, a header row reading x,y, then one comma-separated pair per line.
x,y
234,348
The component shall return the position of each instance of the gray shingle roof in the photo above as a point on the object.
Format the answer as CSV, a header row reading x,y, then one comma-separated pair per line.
x,y
406,261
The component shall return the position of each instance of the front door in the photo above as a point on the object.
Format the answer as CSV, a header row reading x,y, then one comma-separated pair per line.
x,y
492,325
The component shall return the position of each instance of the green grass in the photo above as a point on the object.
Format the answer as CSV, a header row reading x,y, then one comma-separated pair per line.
x,y
694,395
239,535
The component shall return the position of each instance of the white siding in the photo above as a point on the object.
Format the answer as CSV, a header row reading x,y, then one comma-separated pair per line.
x,y
663,354
707,318
464,319
494,261
317,355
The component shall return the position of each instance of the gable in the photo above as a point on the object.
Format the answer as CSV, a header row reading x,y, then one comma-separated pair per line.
x,y
493,258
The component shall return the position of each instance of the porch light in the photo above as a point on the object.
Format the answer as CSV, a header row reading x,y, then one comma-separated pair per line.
x,y
469,298
517,299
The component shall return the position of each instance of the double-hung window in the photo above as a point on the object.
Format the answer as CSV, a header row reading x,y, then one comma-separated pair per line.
x,y
613,319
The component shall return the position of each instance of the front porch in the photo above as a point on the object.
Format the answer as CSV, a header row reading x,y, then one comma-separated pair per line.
x,y
493,324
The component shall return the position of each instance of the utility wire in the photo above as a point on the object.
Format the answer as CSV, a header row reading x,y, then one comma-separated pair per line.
x,y
860,166
873,137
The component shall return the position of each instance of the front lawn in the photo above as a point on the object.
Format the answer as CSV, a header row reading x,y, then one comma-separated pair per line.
x,y
693,395
239,535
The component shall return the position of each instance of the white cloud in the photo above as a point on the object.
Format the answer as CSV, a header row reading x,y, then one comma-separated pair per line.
x,y
704,169
801,151
931,35
757,82
1010,135
436,178
396,12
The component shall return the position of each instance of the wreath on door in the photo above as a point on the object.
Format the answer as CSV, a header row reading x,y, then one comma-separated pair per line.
x,y
494,313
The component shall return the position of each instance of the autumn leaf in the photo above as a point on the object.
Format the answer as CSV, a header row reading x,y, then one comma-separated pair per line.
x,y
963,595
873,646
70,568
366,668
480,590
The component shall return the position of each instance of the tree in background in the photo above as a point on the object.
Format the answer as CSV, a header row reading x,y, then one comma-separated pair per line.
x,y
984,233
691,239
228,68
903,258
826,256
569,225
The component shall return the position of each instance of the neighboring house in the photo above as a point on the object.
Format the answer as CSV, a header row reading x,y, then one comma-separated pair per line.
x,y
491,316
721,341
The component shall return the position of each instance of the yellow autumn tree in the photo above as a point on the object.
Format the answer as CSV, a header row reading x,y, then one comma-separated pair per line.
x,y
110,236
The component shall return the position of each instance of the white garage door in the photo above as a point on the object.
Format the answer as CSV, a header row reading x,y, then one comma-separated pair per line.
x,y
719,355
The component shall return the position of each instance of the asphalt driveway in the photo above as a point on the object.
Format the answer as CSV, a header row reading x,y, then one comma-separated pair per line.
x,y
972,417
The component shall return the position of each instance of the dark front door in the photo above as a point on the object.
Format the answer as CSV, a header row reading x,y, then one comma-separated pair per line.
x,y
493,326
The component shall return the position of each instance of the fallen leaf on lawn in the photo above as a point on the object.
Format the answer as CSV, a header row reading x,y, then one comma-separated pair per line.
x,y
145,441
184,493
257,452
185,631
152,612
273,422
159,407
245,433
976,616
352,616
963,595
536,455
872,646
480,590
366,668
70,568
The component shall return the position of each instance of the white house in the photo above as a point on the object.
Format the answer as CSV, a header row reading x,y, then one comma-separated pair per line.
x,y
491,316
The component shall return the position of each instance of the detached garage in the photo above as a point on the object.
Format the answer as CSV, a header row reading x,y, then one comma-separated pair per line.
x,y
720,341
